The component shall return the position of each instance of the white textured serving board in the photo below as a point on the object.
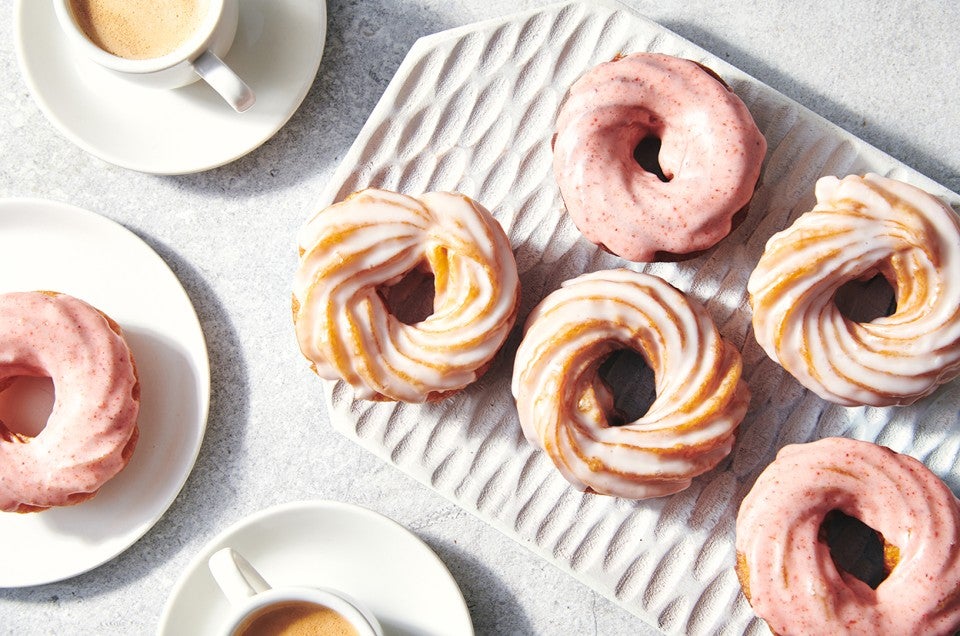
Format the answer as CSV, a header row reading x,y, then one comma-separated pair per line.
x,y
472,110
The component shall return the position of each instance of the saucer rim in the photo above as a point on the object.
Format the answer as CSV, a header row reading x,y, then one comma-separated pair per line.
x,y
141,162
319,506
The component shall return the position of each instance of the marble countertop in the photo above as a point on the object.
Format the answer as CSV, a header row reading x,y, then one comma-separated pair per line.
x,y
883,70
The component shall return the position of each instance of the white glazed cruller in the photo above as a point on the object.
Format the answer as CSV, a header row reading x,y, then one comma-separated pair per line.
x,y
352,250
564,405
859,227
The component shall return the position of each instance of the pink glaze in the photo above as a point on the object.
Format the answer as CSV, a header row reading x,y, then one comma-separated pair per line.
x,y
711,152
92,428
792,580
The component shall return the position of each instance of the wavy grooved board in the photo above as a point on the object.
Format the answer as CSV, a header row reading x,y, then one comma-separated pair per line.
x,y
472,109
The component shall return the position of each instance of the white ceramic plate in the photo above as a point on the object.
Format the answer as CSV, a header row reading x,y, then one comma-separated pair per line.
x,y
328,544
473,109
277,51
53,246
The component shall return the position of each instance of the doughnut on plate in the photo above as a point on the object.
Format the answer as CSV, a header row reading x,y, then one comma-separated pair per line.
x,y
472,110
54,246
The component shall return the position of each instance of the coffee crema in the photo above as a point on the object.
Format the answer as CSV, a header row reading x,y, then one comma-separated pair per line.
x,y
296,618
138,29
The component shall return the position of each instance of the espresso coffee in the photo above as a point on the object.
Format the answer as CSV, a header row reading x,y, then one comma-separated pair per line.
x,y
138,29
296,618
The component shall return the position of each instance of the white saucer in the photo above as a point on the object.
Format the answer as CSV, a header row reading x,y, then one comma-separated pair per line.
x,y
54,246
277,52
327,543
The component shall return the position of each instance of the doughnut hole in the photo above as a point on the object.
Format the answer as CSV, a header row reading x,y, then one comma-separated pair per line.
x,y
410,299
857,549
25,406
647,155
630,379
867,298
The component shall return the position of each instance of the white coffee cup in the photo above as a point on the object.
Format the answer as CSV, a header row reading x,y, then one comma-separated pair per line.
x,y
251,596
198,55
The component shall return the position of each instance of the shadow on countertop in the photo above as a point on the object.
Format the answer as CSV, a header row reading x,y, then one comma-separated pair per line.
x,y
365,44
493,609
886,139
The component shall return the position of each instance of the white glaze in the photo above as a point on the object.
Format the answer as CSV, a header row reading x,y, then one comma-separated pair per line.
x,y
861,226
563,405
352,249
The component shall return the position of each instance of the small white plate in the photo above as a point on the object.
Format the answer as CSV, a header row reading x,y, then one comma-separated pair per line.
x,y
326,543
54,246
277,51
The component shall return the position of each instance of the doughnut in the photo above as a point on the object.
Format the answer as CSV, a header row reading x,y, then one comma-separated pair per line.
x,y
92,429
859,227
710,155
352,252
791,580
565,407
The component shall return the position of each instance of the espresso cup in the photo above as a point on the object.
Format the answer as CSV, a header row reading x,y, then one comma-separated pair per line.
x,y
259,609
158,44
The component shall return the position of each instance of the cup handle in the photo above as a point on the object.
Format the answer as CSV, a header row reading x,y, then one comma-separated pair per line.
x,y
238,580
223,80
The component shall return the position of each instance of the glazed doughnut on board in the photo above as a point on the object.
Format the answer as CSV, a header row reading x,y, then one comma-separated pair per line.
x,y
788,574
564,406
861,226
352,251
92,430
711,152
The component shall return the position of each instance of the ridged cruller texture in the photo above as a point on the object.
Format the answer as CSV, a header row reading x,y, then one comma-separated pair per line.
x,y
564,404
788,573
351,252
861,226
473,110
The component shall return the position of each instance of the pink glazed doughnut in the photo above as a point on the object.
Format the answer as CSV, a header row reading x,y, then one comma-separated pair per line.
x,y
711,152
92,429
790,578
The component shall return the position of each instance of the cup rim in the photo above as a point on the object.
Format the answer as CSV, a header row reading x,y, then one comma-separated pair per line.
x,y
333,599
187,50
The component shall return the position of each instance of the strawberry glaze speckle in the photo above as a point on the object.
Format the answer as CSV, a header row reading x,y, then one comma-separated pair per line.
x,y
92,428
711,152
789,575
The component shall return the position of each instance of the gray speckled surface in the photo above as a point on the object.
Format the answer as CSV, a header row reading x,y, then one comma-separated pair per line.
x,y
883,70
